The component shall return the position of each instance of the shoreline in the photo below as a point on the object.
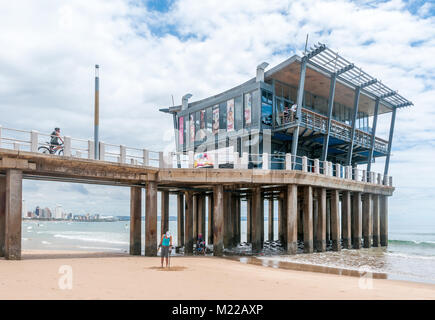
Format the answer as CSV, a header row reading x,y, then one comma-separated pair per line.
x,y
104,275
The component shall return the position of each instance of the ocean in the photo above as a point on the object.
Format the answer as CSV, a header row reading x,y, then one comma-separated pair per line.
x,y
410,254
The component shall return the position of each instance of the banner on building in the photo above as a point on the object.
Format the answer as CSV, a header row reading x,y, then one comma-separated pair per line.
x,y
181,131
192,128
248,108
230,115
216,119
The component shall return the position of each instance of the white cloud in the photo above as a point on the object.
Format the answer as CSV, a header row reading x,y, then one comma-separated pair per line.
x,y
49,49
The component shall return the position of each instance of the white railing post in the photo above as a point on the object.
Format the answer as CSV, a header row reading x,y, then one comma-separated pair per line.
x,y
236,163
390,181
78,154
304,164
102,151
67,147
122,154
16,146
348,172
338,170
34,141
215,160
245,160
355,173
169,160
191,158
146,157
364,177
91,149
379,178
317,166
288,161
161,160
265,161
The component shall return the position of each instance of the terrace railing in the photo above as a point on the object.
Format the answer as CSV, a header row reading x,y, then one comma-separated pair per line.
x,y
30,141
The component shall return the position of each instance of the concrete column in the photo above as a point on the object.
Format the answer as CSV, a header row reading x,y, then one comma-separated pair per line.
x,y
356,220
180,219
383,219
292,218
249,219
300,220
195,218
135,220
218,220
262,218
210,220
308,219
228,222
321,220
188,222
376,221
367,223
257,244
14,188
237,221
328,219
346,219
270,219
201,215
164,214
335,221
282,219
151,220
2,215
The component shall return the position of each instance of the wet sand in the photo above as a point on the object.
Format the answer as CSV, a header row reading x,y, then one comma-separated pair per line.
x,y
120,276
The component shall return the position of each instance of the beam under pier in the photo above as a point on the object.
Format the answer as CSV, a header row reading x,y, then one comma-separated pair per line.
x,y
356,220
2,215
335,220
218,220
151,220
383,218
249,219
14,189
367,220
292,218
321,220
180,219
346,219
135,220
188,223
257,244
164,214
210,219
376,221
270,219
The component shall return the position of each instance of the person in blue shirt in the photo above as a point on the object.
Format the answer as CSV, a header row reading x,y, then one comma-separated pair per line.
x,y
165,244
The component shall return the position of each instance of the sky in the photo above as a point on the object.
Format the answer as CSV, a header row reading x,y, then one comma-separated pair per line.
x,y
149,51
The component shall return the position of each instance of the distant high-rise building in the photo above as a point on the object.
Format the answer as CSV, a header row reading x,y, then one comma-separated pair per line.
x,y
24,209
37,212
58,212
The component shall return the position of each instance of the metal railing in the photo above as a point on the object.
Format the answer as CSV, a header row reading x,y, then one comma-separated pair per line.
x,y
31,141
340,130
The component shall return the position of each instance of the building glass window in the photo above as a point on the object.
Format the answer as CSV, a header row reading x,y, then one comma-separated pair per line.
x,y
266,108
209,119
223,116
238,113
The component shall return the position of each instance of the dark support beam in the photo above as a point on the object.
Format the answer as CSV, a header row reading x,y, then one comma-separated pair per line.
x,y
308,219
228,221
270,219
210,219
335,221
367,220
14,199
373,136
180,219
249,219
376,221
164,214
262,219
352,133
346,219
257,245
237,224
356,220
218,220
2,215
188,222
195,218
328,125
328,219
383,218
151,219
201,215
321,220
292,218
282,218
135,220
390,141
299,108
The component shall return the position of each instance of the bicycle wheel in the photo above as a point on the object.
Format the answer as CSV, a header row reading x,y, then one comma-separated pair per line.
x,y
45,150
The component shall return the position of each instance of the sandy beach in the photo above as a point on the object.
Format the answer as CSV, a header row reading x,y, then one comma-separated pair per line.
x,y
120,276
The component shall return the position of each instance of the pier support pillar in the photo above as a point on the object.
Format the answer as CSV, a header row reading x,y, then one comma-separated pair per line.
x,y
328,219
292,218
135,220
257,244
300,220
249,219
218,220
262,219
151,220
180,219
345,219
228,221
14,188
356,220
2,215
282,218
195,218
367,220
383,218
188,222
237,232
321,220
270,219
376,221
335,220
164,214
200,200
210,219
308,219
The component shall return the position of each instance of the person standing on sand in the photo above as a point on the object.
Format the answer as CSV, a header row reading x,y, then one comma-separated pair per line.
x,y
166,244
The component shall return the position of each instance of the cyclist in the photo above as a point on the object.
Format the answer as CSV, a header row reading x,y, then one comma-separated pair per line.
x,y
54,142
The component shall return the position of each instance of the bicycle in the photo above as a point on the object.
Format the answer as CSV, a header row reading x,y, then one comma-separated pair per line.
x,y
49,148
